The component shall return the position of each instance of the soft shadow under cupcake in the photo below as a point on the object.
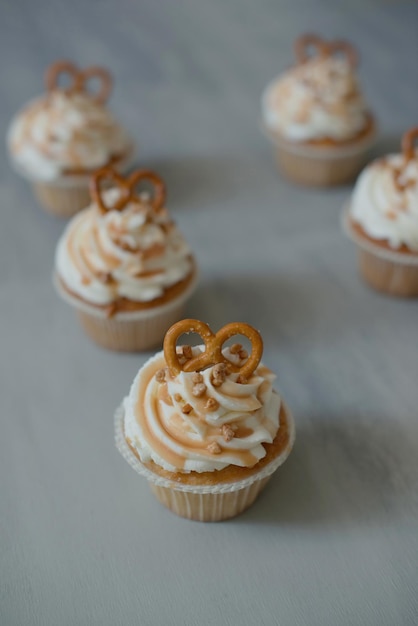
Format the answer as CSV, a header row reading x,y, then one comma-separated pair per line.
x,y
344,470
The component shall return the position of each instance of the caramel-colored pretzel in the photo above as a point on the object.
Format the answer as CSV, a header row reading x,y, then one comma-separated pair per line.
x,y
213,347
408,143
323,48
127,186
79,79
344,47
304,42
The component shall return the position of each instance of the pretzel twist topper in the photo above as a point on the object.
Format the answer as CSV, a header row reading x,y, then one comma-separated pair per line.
x,y
213,347
321,47
79,80
127,187
409,140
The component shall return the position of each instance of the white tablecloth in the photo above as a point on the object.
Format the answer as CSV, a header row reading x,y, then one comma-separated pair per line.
x,y
333,539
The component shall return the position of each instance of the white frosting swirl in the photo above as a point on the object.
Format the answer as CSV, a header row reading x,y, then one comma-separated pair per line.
x,y
195,441
385,201
135,254
319,99
61,132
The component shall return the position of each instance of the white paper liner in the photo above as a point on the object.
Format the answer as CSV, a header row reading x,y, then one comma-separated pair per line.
x,y
320,152
126,315
388,255
160,481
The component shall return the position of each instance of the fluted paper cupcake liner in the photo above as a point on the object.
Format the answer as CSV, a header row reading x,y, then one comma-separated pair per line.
x,y
130,335
213,502
129,331
320,165
209,507
62,201
388,271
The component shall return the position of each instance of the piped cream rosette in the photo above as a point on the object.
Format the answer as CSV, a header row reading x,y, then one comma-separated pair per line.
x,y
319,98
66,134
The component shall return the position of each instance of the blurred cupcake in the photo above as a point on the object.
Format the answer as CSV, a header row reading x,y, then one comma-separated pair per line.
x,y
59,139
382,219
204,425
316,116
123,264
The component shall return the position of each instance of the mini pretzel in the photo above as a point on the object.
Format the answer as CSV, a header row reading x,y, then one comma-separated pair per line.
x,y
213,347
344,47
408,143
79,79
309,40
323,48
127,186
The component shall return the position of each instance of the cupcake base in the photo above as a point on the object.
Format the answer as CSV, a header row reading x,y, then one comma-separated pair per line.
x,y
62,202
209,507
322,165
319,171
211,502
130,335
131,331
395,279
382,268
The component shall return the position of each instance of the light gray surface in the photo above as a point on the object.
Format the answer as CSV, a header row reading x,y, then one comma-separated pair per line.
x,y
333,539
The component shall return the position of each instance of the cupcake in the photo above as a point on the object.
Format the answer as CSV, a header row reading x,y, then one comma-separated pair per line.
x,y
382,220
316,116
204,425
58,140
123,264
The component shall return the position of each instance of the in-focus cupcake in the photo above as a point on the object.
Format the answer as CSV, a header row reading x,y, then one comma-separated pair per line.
x,y
316,116
204,425
382,219
123,264
58,140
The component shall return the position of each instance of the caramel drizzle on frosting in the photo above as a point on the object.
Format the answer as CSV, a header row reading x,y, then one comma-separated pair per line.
x,y
332,89
148,273
47,142
81,260
175,429
92,240
201,446
323,78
